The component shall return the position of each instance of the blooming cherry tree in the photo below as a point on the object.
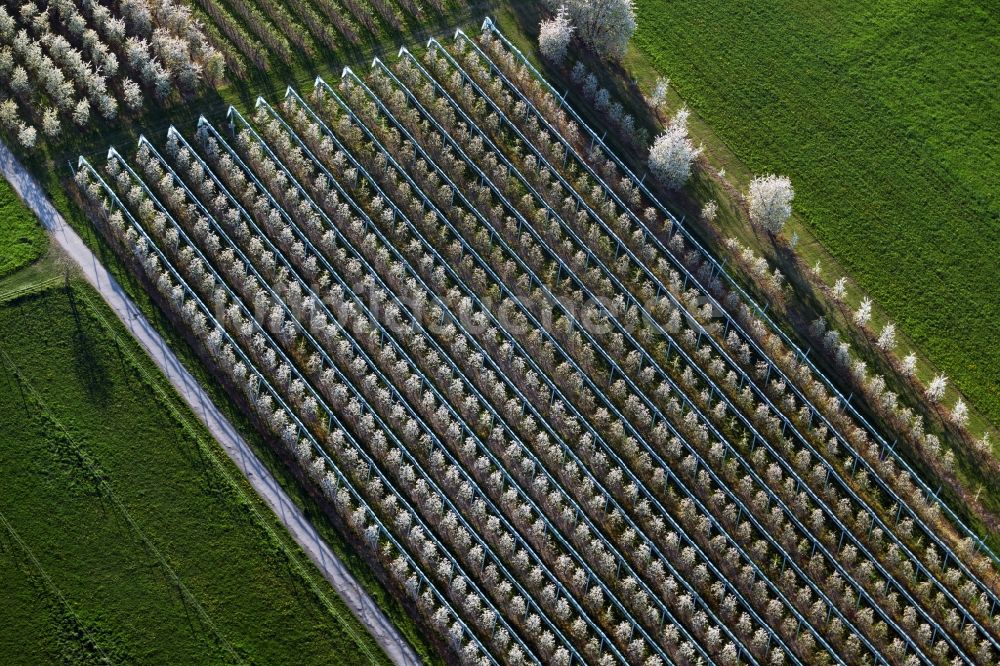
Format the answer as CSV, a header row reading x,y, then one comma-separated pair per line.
x,y
887,338
771,201
50,123
864,312
840,289
132,94
81,112
935,390
960,414
554,36
659,95
710,211
672,153
605,26
26,135
8,114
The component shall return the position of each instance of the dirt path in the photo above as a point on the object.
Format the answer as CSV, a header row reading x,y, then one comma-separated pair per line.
x,y
264,484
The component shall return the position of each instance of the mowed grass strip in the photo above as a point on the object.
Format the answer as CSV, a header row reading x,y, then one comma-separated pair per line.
x,y
886,117
94,429
22,239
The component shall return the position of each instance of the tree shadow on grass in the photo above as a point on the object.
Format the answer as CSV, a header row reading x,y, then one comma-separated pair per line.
x,y
89,365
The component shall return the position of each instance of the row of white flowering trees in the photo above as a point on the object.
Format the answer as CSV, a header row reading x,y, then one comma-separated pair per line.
x,y
602,164
514,113
526,408
672,158
63,61
605,27
269,33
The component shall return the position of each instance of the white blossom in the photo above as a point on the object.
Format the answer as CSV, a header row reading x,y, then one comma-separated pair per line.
x,y
606,26
50,123
960,414
8,114
771,201
840,289
659,96
27,135
672,153
19,81
132,94
864,312
709,212
81,113
554,36
887,338
7,25
984,445
935,390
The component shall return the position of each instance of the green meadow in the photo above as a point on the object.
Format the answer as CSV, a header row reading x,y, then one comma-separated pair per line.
x,y
884,115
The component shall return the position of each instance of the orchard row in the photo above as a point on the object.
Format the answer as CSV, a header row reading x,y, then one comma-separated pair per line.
x,y
521,389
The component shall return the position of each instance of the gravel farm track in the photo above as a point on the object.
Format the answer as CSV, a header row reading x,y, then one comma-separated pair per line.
x,y
260,478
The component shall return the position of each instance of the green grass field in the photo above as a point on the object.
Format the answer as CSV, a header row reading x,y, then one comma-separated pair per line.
x,y
22,239
884,115
125,533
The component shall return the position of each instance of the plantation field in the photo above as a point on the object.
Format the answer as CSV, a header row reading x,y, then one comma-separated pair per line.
x,y
21,238
285,209
884,116
136,540
386,276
